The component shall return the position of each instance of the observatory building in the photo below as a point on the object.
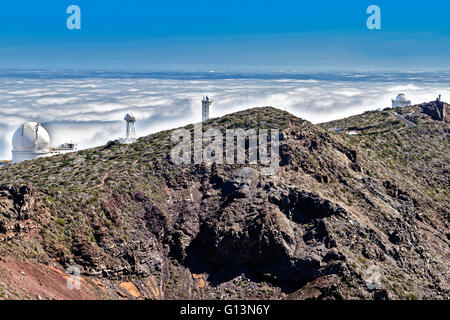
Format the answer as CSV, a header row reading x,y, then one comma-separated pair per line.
x,y
130,133
400,101
32,141
206,103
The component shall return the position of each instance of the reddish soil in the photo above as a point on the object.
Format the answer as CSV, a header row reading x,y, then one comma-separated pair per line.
x,y
21,279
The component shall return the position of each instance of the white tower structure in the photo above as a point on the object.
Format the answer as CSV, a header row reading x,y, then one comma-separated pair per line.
x,y
206,102
130,134
400,101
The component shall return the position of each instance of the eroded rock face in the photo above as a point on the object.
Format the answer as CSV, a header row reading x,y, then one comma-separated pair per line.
x,y
265,244
17,203
258,228
302,206
437,110
322,288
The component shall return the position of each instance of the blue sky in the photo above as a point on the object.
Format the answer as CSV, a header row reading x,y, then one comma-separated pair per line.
x,y
225,35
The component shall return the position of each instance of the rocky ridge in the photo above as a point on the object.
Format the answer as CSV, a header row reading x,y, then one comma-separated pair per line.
x,y
345,217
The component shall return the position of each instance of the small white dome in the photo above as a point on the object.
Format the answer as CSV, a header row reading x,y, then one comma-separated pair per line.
x,y
401,98
30,136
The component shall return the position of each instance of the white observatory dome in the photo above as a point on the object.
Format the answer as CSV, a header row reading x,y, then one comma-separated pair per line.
x,y
31,136
400,101
401,98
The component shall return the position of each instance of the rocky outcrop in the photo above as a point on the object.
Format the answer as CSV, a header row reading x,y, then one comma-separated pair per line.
x,y
17,204
302,206
322,288
437,110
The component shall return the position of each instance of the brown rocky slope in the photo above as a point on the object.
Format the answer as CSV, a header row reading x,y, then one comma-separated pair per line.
x,y
340,209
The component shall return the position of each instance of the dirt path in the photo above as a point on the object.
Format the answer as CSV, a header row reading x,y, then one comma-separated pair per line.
x,y
102,181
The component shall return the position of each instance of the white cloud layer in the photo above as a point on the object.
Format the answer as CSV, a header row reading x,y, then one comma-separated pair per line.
x,y
89,111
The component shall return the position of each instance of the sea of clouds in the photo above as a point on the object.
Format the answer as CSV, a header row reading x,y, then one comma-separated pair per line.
x,y
88,108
